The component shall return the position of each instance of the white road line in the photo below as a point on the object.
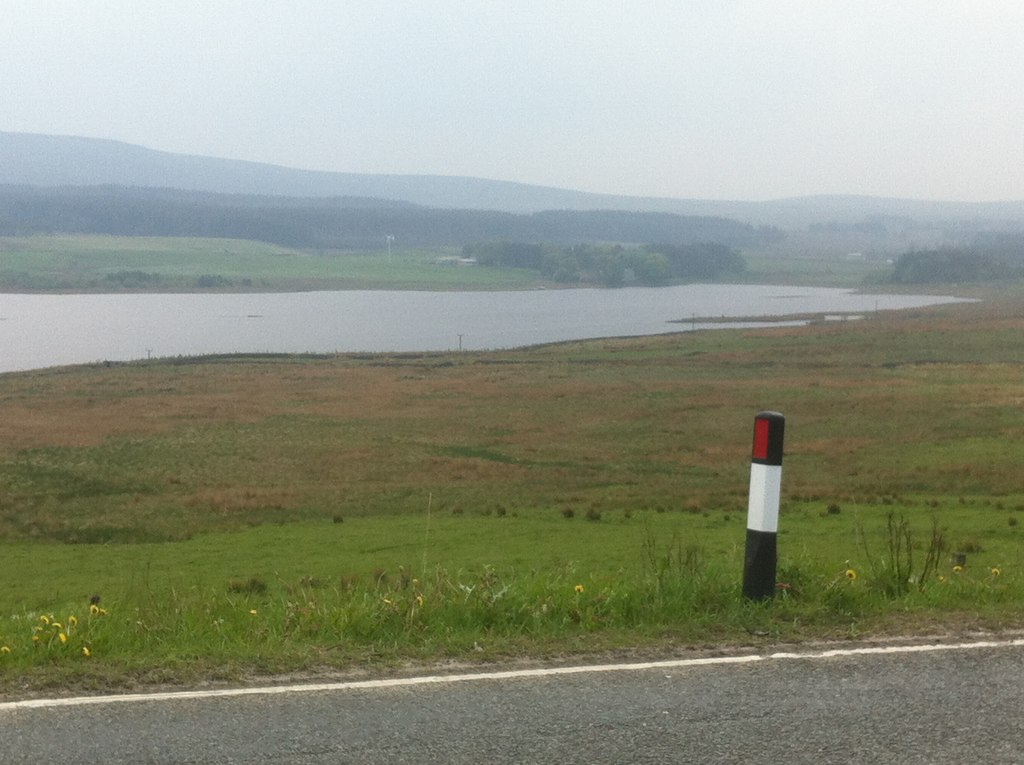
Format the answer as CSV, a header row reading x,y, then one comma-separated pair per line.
x,y
401,682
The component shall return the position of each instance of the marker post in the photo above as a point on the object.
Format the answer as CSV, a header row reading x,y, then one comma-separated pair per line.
x,y
763,506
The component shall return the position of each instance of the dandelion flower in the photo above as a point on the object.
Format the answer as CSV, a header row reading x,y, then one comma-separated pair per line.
x,y
419,600
44,619
63,638
996,571
5,649
579,588
85,651
57,625
851,574
94,609
72,621
942,578
252,612
958,569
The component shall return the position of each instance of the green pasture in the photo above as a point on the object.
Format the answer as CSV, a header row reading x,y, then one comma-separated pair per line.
x,y
66,262
813,270
112,263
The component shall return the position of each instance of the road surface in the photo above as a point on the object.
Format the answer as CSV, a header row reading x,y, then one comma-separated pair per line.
x,y
931,704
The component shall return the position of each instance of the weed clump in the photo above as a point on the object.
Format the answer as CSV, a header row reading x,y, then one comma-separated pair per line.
x,y
895,574
251,586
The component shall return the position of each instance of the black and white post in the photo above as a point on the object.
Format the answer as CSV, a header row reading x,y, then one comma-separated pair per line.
x,y
763,506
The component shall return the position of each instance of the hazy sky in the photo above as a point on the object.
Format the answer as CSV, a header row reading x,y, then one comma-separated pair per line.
x,y
715,99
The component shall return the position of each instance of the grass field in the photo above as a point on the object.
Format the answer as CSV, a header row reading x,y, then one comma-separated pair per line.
x,y
245,515
168,264
76,263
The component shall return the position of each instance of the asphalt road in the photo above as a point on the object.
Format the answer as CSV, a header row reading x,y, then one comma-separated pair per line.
x,y
955,705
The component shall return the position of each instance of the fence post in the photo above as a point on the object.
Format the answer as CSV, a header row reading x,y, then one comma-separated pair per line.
x,y
763,506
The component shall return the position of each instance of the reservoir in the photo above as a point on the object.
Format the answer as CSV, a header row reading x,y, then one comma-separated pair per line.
x,y
50,330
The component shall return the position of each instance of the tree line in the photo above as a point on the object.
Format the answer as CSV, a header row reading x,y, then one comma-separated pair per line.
x,y
613,265
340,222
950,265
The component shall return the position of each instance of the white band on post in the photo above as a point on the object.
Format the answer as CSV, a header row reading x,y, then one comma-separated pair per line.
x,y
763,504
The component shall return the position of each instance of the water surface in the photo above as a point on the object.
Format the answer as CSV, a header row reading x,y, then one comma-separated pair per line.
x,y
49,330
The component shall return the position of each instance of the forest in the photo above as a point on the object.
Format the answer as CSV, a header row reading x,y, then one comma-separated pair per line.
x,y
614,265
989,261
341,223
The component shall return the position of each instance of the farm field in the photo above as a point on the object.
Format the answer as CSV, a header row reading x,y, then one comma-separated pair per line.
x,y
92,263
214,519
88,263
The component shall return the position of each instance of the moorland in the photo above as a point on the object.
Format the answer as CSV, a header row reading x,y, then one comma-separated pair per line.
x,y
216,519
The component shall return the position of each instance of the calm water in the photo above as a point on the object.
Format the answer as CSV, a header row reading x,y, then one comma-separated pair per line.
x,y
49,330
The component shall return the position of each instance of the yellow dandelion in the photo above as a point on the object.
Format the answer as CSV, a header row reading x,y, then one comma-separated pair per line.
x,y
942,578
958,569
44,619
94,609
387,601
63,638
252,612
996,571
419,601
72,621
579,588
851,574
35,638
57,625
5,649
85,651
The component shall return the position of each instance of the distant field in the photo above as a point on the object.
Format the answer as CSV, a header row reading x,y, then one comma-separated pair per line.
x,y
168,264
814,270
259,515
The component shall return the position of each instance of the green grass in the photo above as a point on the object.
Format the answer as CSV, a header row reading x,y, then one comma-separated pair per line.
x,y
378,591
813,270
67,262
111,264
570,498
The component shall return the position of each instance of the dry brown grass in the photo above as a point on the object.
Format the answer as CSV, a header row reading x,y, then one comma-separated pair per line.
x,y
642,422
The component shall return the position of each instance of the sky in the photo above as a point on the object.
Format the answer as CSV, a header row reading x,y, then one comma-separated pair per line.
x,y
699,99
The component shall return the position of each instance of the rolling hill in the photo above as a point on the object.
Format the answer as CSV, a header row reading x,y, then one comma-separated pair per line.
x,y
59,161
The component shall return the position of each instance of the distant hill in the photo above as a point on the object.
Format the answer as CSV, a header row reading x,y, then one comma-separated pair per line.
x,y
49,161
46,160
327,223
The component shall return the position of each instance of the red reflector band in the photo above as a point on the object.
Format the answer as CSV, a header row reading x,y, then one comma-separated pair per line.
x,y
769,429
761,431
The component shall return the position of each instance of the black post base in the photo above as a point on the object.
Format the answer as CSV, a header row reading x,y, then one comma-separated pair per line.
x,y
759,565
